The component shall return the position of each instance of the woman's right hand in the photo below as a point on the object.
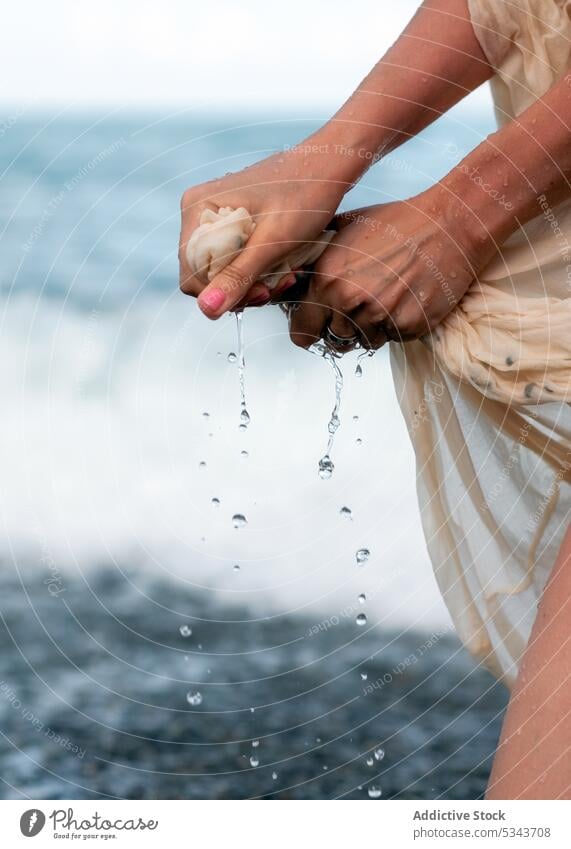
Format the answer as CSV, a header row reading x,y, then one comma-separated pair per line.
x,y
292,196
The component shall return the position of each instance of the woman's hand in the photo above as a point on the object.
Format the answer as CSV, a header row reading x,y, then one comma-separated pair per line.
x,y
291,197
393,271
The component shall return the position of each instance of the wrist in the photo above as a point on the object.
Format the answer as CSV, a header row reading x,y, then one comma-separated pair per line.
x,y
477,205
343,149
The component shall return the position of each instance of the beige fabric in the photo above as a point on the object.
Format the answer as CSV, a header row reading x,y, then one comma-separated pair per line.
x,y
221,235
485,407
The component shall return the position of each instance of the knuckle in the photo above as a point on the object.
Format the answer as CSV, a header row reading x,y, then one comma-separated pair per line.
x,y
234,280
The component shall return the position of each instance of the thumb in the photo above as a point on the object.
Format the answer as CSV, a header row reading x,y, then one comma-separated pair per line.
x,y
233,283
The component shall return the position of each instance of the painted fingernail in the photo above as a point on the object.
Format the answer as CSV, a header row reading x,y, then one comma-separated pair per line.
x,y
212,300
259,300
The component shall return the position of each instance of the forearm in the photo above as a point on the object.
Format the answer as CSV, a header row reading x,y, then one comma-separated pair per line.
x,y
435,62
516,172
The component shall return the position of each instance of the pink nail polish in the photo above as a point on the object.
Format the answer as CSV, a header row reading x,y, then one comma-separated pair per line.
x,y
260,300
212,300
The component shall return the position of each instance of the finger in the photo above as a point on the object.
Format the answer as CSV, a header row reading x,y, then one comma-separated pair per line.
x,y
307,323
233,283
342,325
190,282
372,333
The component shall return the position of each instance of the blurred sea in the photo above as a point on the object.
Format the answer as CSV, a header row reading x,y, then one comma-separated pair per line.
x,y
111,541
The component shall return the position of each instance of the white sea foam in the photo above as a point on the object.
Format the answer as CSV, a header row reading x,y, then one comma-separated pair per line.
x,y
102,433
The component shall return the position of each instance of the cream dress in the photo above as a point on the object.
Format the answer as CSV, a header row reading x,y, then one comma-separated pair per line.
x,y
486,407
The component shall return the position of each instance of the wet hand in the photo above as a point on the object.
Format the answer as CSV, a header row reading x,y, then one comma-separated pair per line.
x,y
291,197
394,271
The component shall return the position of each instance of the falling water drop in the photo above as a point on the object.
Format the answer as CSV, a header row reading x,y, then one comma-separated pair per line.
x,y
202,464
374,792
194,698
370,761
358,441
232,357
244,454
255,744
362,598
326,467
379,754
239,520
362,555
185,630
215,502
206,415
364,676
275,776
359,370
346,513
236,567
254,761
361,620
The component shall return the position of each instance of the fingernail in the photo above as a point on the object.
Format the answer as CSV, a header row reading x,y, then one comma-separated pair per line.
x,y
212,300
261,299
283,288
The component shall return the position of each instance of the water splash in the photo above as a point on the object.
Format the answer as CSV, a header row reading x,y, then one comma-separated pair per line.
x,y
244,414
326,465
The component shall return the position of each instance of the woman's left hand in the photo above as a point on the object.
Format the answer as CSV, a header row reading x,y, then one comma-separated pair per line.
x,y
394,271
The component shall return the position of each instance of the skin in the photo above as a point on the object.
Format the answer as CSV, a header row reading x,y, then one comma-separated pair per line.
x,y
377,280
532,761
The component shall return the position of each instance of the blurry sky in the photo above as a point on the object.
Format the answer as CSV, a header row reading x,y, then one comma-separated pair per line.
x,y
216,53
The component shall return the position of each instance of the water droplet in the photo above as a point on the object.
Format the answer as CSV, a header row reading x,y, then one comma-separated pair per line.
x,y
244,454
236,567
326,467
275,776
239,520
206,415
244,418
358,441
374,792
361,620
362,555
185,630
355,418
254,761
379,754
333,424
194,698
252,710
202,464
232,357
255,744
370,761
359,370
362,598
215,502
364,676
346,513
